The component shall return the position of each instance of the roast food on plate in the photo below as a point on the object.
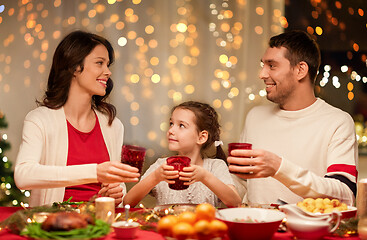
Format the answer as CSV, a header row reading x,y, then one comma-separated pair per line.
x,y
66,226
65,221
322,205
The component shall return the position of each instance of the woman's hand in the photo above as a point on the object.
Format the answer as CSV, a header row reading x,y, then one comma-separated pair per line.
x,y
192,174
113,171
113,190
166,173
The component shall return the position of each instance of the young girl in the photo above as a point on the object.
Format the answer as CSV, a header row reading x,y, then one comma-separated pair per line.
x,y
193,128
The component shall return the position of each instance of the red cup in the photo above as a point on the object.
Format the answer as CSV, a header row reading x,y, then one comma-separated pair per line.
x,y
133,156
178,162
233,146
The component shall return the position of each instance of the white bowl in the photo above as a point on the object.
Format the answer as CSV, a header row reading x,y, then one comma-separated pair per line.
x,y
266,222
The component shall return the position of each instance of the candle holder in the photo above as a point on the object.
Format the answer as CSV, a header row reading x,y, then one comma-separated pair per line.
x,y
105,209
362,208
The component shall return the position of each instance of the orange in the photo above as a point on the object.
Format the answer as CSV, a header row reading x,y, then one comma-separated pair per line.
x,y
165,225
183,230
205,211
188,217
218,228
202,227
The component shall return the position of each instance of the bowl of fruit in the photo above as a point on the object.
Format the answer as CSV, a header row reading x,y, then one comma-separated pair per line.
x,y
251,223
198,224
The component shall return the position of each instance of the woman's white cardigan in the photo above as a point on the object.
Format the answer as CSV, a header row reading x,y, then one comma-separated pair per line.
x,y
42,158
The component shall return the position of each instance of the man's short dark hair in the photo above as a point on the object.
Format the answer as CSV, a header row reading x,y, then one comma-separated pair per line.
x,y
301,47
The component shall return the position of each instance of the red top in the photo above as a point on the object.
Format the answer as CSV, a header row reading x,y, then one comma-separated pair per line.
x,y
85,148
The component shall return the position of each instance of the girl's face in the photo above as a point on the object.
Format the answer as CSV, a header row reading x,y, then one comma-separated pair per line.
x,y
183,135
93,79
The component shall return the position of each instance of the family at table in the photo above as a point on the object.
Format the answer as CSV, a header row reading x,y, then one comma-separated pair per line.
x,y
302,147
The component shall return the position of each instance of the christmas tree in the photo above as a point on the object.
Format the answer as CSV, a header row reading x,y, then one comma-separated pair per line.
x,y
10,195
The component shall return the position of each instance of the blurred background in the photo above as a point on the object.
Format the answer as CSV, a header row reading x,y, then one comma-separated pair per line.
x,y
170,51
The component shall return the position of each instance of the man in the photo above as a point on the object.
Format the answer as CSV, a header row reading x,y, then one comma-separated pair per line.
x,y
302,146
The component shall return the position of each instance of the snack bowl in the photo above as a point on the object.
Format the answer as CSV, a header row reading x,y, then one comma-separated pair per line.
x,y
250,223
125,230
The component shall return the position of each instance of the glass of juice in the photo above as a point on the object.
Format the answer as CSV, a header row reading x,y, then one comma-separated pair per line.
x,y
133,156
233,146
178,162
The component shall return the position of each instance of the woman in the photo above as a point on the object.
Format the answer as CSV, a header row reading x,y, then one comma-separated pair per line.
x,y
71,143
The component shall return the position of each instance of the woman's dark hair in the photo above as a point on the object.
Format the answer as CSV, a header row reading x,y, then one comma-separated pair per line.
x,y
206,119
301,47
68,56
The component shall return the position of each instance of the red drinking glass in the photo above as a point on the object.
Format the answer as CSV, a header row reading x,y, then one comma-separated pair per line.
x,y
133,156
178,162
233,146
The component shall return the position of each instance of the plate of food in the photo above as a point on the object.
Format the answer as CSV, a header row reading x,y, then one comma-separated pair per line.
x,y
324,206
67,225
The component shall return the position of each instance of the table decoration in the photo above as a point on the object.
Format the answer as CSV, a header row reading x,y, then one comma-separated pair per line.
x,y
200,224
99,229
28,221
105,209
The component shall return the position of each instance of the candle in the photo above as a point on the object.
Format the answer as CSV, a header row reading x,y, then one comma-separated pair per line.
x,y
362,208
105,209
362,197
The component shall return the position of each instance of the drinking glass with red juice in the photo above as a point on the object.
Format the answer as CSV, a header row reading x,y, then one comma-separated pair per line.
x,y
133,156
233,146
178,162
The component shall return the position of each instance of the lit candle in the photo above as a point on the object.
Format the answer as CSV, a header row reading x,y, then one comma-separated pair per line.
x,y
105,209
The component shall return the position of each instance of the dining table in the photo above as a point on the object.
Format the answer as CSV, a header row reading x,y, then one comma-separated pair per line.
x,y
5,234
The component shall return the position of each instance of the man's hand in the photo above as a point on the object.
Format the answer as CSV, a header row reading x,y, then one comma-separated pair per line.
x,y
256,163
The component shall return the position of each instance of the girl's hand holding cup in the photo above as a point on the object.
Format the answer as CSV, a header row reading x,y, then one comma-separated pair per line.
x,y
192,174
166,173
